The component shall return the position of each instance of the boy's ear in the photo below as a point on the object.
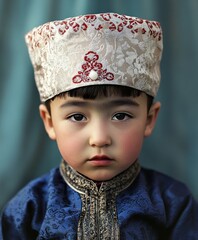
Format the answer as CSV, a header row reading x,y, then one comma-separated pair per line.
x,y
47,120
151,118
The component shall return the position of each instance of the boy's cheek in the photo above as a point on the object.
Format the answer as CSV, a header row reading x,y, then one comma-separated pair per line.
x,y
69,146
132,144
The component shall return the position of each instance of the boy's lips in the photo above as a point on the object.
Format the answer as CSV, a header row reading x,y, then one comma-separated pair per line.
x,y
101,160
100,157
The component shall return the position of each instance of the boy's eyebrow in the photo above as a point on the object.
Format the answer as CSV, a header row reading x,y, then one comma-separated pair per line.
x,y
111,103
122,101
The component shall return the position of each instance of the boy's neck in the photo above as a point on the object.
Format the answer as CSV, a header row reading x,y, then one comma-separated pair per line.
x,y
98,184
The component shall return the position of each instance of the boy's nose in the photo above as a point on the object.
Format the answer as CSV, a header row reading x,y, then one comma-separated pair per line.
x,y
100,136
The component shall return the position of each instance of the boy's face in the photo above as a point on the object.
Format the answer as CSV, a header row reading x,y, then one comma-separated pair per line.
x,y
100,138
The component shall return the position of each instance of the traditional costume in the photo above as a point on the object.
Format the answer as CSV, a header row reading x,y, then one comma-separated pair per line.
x,y
137,204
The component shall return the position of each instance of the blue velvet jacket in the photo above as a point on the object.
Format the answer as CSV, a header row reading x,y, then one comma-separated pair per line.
x,y
138,204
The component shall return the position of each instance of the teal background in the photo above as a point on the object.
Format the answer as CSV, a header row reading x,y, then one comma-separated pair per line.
x,y
25,150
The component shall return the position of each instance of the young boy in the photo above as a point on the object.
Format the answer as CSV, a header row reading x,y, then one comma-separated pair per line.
x,y
97,76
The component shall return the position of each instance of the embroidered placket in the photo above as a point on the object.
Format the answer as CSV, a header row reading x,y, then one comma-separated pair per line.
x,y
98,219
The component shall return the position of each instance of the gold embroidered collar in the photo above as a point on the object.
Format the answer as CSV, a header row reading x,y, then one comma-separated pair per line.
x,y
98,219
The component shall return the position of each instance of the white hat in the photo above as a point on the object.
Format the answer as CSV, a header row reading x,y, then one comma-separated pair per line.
x,y
96,49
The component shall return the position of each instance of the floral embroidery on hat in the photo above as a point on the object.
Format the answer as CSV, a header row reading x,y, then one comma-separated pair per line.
x,y
47,31
92,65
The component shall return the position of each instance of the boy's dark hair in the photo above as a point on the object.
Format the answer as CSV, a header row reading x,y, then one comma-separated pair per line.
x,y
92,92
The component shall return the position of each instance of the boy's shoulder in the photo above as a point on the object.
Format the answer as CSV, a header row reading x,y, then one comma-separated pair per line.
x,y
42,183
161,184
37,193
160,180
159,206
154,191
38,207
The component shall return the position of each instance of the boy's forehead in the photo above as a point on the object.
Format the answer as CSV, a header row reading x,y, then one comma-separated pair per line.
x,y
100,49
100,102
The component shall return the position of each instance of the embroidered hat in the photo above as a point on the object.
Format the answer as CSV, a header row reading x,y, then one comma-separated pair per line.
x,y
96,49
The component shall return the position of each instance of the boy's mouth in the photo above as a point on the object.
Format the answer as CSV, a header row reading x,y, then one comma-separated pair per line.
x,y
100,160
100,157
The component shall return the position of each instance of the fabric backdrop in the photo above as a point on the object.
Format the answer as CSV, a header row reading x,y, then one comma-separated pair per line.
x,y
25,150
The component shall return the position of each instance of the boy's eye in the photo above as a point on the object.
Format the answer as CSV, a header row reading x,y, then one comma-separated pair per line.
x,y
77,117
121,116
